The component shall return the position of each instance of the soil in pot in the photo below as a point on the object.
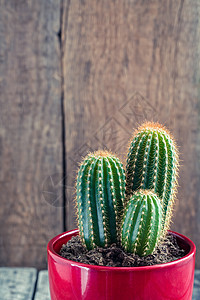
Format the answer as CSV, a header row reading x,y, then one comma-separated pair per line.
x,y
115,256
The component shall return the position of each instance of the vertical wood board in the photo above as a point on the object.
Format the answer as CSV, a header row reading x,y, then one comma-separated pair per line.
x,y
30,130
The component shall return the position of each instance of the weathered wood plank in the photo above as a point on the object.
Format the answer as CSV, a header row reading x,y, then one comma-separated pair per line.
x,y
17,283
196,291
42,290
30,130
124,62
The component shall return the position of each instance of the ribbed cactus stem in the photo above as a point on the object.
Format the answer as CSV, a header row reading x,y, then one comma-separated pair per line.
x,y
152,164
100,198
142,223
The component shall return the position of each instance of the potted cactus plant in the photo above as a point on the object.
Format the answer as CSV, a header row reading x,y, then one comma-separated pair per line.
x,y
132,208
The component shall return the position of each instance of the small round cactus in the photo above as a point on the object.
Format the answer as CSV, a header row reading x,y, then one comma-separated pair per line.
x,y
152,164
142,223
100,199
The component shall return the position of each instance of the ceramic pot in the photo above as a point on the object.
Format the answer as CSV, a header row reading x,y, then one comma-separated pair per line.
x,y
73,280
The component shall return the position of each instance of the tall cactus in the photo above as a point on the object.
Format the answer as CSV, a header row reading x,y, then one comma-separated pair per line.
x,y
152,164
142,223
100,198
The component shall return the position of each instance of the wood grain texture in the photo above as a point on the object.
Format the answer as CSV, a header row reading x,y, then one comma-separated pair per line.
x,y
42,289
17,283
30,130
196,290
124,62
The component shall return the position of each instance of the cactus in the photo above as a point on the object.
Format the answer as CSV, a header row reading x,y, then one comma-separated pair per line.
x,y
152,164
100,199
142,223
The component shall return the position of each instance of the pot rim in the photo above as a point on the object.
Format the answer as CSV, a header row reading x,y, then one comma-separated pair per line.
x,y
62,260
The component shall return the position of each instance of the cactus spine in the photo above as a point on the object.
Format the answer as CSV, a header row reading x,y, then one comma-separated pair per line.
x,y
142,223
100,198
152,164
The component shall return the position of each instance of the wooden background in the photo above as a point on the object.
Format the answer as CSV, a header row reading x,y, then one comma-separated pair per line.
x,y
79,75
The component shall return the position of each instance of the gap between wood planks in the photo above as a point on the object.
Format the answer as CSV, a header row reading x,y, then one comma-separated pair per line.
x,y
35,287
64,161
61,37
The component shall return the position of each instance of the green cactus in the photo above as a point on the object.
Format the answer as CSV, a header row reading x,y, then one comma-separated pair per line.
x,y
142,223
152,164
100,199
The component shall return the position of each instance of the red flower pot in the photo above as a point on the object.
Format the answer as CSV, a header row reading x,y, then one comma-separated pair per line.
x,y
72,280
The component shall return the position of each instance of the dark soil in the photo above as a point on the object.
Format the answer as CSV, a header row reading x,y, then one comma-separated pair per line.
x,y
115,256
